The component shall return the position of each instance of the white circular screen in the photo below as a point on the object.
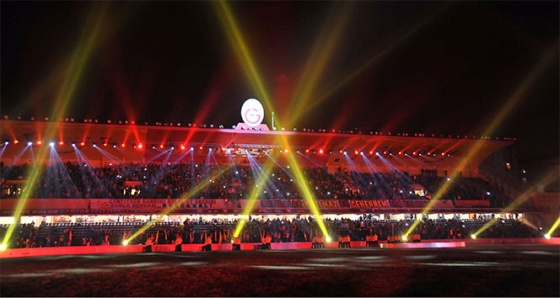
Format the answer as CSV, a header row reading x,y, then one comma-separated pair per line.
x,y
252,112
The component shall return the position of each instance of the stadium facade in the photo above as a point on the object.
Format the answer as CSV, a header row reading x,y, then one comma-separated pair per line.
x,y
107,145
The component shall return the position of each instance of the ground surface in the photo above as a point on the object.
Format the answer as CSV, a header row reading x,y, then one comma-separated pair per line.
x,y
495,270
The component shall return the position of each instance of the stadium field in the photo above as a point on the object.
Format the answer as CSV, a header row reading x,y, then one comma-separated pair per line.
x,y
482,270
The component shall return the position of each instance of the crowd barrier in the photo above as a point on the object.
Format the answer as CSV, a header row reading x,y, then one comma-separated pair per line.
x,y
167,248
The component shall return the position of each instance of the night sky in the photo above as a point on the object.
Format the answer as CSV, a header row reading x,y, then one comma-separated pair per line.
x,y
428,67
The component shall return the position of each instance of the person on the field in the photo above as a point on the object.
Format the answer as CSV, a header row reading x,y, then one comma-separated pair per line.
x,y
207,242
149,243
178,242
236,243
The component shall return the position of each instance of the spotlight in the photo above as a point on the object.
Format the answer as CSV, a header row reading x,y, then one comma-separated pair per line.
x,y
39,142
61,143
3,247
123,145
328,239
94,145
140,146
114,145
320,151
16,141
125,242
404,238
51,144
74,145
547,236
6,143
182,147
473,236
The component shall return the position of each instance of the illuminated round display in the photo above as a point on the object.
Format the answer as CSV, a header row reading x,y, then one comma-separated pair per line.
x,y
252,112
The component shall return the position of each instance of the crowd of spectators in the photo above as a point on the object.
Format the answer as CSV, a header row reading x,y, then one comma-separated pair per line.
x,y
299,229
132,180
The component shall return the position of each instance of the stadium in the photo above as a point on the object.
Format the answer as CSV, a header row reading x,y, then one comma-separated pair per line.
x,y
108,183
279,148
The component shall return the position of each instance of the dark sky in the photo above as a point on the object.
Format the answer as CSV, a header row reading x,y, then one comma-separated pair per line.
x,y
430,67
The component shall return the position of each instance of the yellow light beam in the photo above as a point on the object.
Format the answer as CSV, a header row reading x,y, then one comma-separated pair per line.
x,y
317,61
254,194
242,50
181,200
308,195
373,61
548,178
554,227
72,76
511,103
